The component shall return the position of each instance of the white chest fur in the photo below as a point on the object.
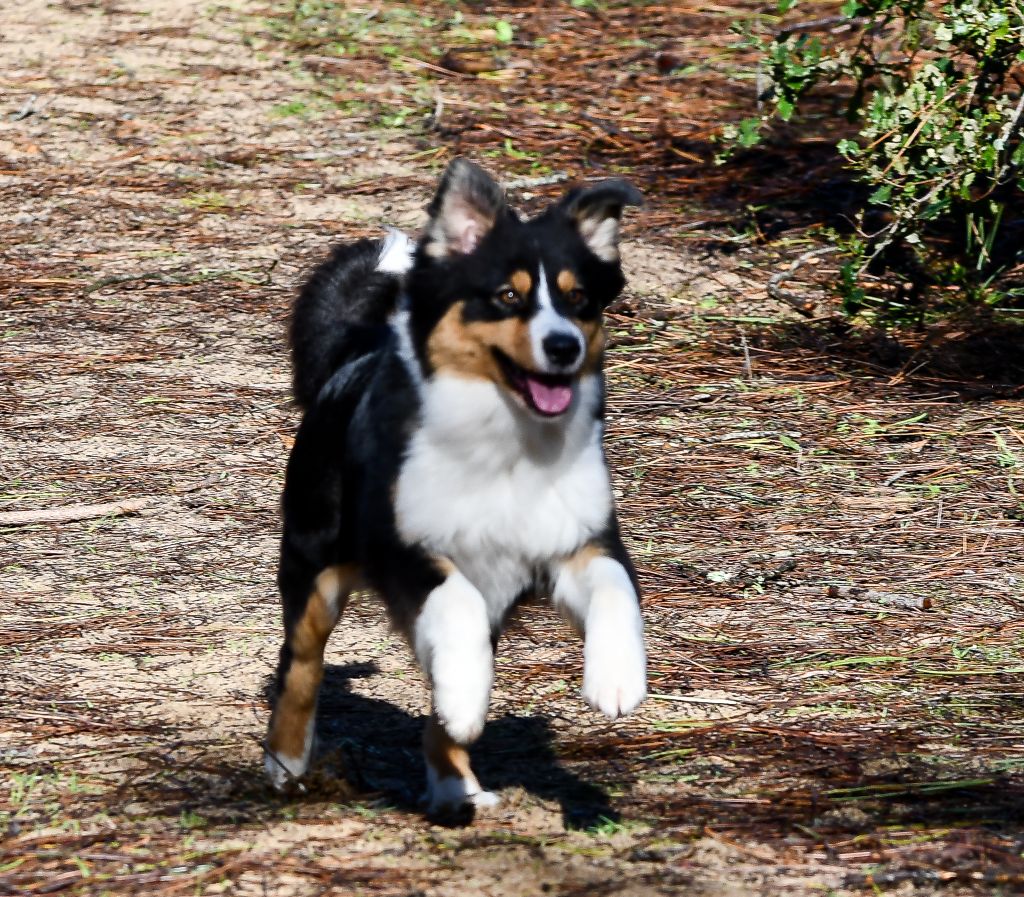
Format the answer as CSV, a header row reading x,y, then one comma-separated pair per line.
x,y
500,493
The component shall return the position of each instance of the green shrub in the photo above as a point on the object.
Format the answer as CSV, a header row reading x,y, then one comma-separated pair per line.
x,y
937,94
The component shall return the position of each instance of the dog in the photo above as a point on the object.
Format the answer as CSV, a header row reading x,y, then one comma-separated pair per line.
x,y
450,458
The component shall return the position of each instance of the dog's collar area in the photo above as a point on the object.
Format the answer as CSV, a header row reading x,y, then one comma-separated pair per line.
x,y
548,395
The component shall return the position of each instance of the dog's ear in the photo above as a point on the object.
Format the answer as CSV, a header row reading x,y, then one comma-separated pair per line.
x,y
596,212
466,206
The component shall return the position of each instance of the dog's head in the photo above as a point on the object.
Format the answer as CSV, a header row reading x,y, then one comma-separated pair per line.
x,y
516,302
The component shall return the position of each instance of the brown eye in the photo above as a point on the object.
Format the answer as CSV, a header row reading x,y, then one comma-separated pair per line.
x,y
507,297
576,298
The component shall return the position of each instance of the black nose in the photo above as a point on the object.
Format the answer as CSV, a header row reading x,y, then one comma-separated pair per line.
x,y
562,349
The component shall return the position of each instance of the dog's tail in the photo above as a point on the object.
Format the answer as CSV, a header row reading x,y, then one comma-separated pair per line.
x,y
342,310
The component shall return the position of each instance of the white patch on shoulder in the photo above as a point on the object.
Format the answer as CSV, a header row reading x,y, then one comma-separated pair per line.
x,y
498,491
283,770
452,640
545,322
396,255
602,600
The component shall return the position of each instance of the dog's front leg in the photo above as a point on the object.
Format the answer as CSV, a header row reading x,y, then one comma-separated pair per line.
x,y
452,639
598,595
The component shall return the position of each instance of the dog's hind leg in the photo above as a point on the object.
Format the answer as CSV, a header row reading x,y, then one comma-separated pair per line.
x,y
452,640
596,589
300,671
315,579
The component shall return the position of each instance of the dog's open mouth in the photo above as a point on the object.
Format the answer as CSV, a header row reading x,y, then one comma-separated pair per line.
x,y
548,394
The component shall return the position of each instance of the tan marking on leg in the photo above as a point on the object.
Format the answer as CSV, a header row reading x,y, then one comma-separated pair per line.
x,y
296,704
448,758
566,281
521,282
579,561
576,565
444,566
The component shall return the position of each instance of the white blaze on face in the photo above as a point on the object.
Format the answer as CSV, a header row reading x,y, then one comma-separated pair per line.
x,y
547,322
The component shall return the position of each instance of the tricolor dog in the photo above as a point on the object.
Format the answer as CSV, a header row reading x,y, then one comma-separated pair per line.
x,y
450,459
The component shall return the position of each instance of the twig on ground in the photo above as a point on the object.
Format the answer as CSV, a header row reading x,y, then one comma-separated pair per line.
x,y
184,278
791,299
434,68
748,367
70,513
27,109
435,116
910,602
542,181
835,24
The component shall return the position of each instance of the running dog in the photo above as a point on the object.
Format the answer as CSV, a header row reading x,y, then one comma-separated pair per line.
x,y
450,458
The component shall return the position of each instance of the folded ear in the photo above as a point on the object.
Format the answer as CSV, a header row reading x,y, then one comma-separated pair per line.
x,y
596,212
467,204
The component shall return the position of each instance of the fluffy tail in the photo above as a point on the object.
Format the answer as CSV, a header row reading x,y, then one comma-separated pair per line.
x,y
342,309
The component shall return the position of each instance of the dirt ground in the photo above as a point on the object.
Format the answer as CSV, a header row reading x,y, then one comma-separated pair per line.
x,y
827,524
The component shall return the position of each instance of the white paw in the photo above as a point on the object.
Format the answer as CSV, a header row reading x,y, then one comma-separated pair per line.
x,y
615,677
451,794
283,770
484,799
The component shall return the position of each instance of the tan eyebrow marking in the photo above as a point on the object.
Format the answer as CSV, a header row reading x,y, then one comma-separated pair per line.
x,y
521,282
566,281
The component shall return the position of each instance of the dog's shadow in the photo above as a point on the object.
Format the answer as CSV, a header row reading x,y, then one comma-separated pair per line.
x,y
376,747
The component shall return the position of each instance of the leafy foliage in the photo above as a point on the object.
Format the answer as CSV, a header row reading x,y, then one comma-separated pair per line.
x,y
936,92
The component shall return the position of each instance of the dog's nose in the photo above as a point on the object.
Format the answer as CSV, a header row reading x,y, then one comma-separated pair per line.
x,y
562,349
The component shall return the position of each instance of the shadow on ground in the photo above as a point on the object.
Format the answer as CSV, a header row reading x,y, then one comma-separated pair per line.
x,y
973,360
833,786
374,747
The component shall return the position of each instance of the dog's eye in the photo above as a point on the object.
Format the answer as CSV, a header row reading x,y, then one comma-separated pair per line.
x,y
576,298
508,298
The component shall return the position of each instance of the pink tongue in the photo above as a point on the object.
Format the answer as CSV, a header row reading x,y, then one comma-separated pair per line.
x,y
549,399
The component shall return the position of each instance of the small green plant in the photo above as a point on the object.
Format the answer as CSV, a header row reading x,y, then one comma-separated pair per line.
x,y
503,31
1006,457
607,827
933,90
292,108
207,201
190,820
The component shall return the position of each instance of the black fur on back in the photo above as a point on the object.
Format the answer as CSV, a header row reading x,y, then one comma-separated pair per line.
x,y
340,315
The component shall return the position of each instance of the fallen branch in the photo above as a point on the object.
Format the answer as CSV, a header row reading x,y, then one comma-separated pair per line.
x,y
70,513
541,181
791,299
835,24
909,602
